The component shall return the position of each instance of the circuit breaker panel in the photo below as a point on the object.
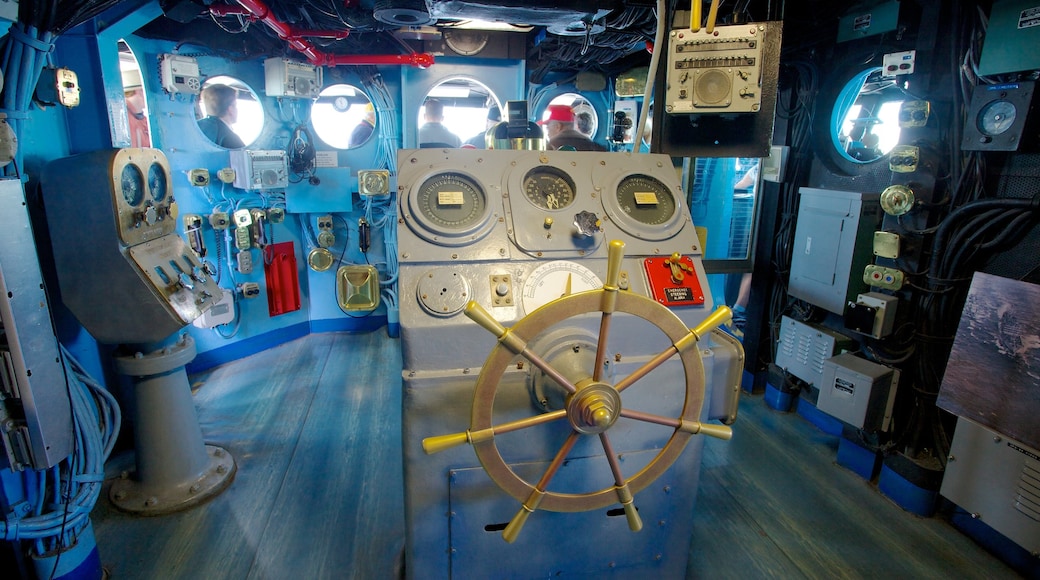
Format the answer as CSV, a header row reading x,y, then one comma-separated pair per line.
x,y
123,271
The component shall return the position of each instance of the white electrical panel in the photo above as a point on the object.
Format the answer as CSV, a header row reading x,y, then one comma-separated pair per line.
x,y
179,74
260,169
287,78
858,392
716,72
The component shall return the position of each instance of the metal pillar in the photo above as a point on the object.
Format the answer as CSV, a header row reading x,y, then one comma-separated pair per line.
x,y
175,469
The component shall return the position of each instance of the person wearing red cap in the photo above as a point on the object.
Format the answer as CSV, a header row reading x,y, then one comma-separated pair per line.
x,y
559,128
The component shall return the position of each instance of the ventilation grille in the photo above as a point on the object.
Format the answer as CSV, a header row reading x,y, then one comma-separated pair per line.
x,y
1028,499
803,348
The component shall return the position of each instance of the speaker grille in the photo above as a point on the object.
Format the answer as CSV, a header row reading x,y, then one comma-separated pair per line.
x,y
713,88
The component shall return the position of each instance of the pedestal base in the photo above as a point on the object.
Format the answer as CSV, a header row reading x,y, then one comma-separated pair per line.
x,y
133,496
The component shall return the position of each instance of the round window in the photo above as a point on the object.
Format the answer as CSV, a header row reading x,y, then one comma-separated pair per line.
x,y
229,113
586,121
864,124
457,107
344,117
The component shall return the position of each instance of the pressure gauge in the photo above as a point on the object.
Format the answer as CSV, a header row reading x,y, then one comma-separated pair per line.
x,y
645,199
341,103
549,188
644,207
449,208
996,117
554,280
131,182
158,185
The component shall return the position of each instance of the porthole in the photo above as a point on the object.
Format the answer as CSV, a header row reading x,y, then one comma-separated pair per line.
x,y
229,113
344,117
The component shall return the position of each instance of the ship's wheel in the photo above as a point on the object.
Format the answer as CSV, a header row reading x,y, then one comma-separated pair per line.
x,y
592,405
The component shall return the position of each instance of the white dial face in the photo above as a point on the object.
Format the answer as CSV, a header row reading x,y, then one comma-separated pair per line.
x,y
556,279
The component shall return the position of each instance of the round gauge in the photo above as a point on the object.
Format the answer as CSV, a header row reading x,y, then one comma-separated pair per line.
x,y
553,280
452,201
157,183
996,117
320,259
132,183
549,188
375,182
646,200
341,103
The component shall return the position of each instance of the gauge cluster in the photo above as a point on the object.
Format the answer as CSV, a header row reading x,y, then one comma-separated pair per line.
x,y
515,230
141,195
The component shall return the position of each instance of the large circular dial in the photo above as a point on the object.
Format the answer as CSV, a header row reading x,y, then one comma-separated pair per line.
x,y
553,280
996,117
157,184
452,201
131,181
646,200
549,188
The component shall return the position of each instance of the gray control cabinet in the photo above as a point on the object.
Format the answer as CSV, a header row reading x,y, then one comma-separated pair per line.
x,y
858,392
996,479
833,242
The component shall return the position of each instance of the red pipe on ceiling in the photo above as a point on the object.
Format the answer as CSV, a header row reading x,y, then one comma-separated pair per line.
x,y
296,37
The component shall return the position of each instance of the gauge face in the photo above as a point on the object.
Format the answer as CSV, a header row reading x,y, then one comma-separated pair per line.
x,y
557,279
645,200
157,184
132,183
375,182
549,188
341,103
996,117
452,201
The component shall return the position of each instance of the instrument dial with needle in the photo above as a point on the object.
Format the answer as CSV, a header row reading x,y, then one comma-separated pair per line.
x,y
549,188
553,280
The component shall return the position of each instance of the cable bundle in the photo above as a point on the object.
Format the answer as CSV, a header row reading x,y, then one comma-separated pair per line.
x,y
64,495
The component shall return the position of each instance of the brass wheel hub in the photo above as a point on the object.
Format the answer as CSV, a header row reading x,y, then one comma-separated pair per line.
x,y
593,408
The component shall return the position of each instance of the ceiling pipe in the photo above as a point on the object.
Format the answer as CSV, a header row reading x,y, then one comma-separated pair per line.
x,y
296,38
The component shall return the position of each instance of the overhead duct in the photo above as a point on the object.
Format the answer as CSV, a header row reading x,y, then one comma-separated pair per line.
x,y
551,13
402,12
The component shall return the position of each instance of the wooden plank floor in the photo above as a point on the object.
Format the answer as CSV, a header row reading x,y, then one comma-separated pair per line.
x,y
314,426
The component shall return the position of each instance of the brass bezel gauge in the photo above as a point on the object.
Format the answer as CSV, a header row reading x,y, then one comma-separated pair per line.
x,y
449,208
158,182
131,184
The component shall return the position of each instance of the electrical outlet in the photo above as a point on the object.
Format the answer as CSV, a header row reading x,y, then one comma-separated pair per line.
x,y
199,177
882,277
325,223
219,220
250,289
904,159
243,218
245,262
243,238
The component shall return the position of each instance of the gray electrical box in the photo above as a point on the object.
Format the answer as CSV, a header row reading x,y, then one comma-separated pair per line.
x,y
858,392
833,242
996,479
804,348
